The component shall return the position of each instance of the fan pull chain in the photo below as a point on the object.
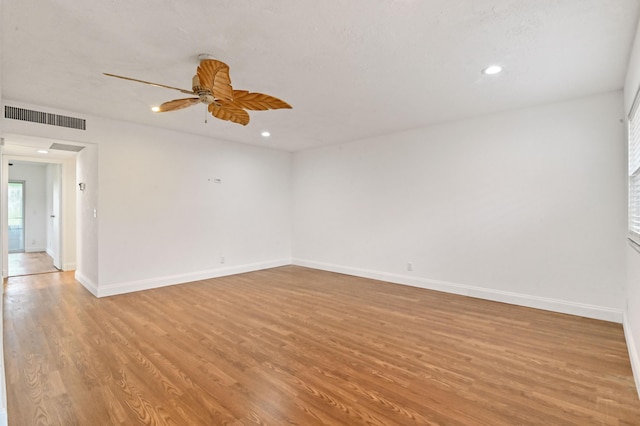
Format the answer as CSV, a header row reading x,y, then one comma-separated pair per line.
x,y
205,116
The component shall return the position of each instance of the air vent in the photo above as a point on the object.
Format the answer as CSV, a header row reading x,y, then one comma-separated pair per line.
x,y
65,147
44,118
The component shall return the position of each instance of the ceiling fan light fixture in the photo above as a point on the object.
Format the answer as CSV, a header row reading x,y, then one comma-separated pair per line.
x,y
42,151
265,134
492,69
155,108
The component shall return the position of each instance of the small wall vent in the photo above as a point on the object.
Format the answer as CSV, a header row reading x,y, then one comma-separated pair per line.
x,y
16,113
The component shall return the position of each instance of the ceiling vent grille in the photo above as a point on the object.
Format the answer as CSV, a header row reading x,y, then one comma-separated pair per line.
x,y
65,147
16,113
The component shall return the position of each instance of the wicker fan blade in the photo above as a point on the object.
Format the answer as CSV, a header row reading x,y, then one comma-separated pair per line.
x,y
188,92
229,112
177,104
257,101
214,76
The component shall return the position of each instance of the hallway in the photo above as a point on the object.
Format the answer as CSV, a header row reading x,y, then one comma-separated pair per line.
x,y
30,264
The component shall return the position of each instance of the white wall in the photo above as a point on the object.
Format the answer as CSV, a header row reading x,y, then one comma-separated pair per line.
x,y
34,176
525,207
87,225
161,218
632,312
68,199
3,173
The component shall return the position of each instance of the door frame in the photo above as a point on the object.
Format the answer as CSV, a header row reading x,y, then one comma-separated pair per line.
x,y
64,204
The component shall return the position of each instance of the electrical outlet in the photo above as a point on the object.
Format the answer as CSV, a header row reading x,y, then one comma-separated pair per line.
x,y
409,266
221,259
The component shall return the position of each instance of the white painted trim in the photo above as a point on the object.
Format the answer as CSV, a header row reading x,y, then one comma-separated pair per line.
x,y
3,383
545,303
633,352
146,284
69,266
34,249
87,283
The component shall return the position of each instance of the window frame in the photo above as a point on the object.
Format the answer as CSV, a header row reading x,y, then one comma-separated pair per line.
x,y
633,183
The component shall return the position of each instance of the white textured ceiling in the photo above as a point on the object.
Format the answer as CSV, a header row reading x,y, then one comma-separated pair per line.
x,y
350,68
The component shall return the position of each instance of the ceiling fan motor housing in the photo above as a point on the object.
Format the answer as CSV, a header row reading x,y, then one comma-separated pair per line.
x,y
204,94
206,98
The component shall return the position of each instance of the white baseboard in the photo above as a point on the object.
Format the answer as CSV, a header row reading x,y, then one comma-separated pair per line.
x,y
34,249
548,304
69,266
156,282
633,351
87,283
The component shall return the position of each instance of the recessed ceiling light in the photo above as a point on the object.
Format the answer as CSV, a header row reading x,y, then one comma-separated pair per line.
x,y
43,151
492,69
265,134
155,108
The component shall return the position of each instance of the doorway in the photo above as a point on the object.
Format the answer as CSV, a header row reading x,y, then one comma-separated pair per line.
x,y
50,225
33,204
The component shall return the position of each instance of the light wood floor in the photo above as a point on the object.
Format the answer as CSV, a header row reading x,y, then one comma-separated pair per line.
x,y
297,346
30,263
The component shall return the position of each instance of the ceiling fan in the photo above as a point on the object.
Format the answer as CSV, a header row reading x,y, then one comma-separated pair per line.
x,y
212,86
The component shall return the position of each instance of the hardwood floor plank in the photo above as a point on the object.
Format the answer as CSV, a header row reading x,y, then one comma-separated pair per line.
x,y
293,345
29,263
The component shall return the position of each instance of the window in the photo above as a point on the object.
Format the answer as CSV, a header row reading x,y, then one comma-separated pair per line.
x,y
634,171
16,216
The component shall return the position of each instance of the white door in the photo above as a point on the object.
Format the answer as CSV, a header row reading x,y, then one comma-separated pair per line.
x,y
55,215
